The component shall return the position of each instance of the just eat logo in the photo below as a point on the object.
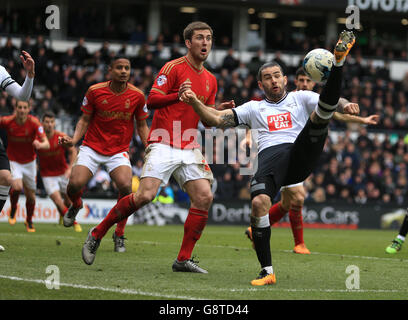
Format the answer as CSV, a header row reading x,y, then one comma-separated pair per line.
x,y
279,121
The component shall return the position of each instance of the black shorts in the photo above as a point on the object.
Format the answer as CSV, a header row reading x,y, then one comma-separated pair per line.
x,y
273,164
289,163
4,160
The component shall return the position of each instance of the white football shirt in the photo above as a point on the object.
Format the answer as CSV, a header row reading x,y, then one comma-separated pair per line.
x,y
278,122
5,78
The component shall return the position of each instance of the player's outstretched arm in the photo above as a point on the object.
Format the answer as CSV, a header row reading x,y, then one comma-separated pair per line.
x,y
348,118
142,130
14,89
80,130
212,117
41,145
347,107
72,154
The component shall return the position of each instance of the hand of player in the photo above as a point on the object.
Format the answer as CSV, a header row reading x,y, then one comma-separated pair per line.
x,y
186,85
36,144
67,173
244,143
28,63
66,141
373,119
188,97
352,108
226,105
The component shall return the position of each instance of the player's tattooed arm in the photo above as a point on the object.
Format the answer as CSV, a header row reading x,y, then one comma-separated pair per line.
x,y
347,107
227,119
210,116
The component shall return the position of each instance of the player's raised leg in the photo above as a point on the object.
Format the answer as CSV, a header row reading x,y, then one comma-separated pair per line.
x,y
123,209
80,176
201,198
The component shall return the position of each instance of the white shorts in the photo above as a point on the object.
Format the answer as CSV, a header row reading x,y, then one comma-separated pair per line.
x,y
57,183
89,158
162,161
291,186
26,172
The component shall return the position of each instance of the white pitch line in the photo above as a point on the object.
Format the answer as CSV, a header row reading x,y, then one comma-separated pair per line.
x,y
169,296
115,290
285,251
26,235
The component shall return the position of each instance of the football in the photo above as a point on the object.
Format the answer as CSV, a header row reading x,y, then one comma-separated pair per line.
x,y
317,64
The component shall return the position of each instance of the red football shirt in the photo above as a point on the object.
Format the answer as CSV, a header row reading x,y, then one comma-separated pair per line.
x,y
52,160
112,124
176,124
21,137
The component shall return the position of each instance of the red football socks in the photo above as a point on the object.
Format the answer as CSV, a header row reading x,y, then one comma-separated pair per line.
x,y
30,211
122,210
296,222
276,212
193,227
75,198
120,226
14,195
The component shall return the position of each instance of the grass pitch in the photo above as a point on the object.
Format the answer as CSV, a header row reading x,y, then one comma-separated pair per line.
x,y
144,271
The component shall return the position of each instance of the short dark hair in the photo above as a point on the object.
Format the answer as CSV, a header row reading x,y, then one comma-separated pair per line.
x,y
300,72
195,25
268,65
48,114
117,57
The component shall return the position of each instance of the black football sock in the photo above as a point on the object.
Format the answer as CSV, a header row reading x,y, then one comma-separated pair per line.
x,y
330,95
404,228
262,238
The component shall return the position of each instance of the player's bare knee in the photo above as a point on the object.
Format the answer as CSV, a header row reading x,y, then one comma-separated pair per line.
x,y
285,203
260,205
298,199
203,200
125,190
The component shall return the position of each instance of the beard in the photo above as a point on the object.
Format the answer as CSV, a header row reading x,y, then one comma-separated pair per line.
x,y
275,96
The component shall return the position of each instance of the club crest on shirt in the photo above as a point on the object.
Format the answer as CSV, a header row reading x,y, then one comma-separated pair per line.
x,y
127,103
161,80
279,121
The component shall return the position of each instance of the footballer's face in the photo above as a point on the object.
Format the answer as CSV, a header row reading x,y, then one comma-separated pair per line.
x,y
273,83
303,82
48,124
120,70
200,44
22,110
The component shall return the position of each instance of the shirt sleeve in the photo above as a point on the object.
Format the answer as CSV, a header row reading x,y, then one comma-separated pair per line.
x,y
308,99
87,106
141,111
243,114
211,99
165,79
13,88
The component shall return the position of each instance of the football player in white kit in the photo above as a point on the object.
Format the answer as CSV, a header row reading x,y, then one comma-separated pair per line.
x,y
293,196
23,93
285,157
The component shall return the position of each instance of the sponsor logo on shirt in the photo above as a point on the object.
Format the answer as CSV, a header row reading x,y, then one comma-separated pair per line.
x,y
162,79
279,121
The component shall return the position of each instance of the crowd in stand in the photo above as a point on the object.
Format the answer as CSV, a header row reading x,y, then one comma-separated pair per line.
x,y
358,170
